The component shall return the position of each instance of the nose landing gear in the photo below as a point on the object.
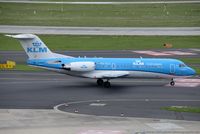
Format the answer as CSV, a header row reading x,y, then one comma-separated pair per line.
x,y
106,84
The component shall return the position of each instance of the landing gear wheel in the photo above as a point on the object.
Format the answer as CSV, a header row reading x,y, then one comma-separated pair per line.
x,y
107,84
100,82
172,83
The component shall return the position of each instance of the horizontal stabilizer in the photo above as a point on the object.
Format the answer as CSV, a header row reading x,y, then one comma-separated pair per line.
x,y
22,36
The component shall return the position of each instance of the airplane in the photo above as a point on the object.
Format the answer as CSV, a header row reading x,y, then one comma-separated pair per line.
x,y
101,69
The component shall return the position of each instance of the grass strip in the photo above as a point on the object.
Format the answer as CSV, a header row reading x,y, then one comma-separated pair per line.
x,y
197,69
191,60
182,109
84,42
25,67
130,15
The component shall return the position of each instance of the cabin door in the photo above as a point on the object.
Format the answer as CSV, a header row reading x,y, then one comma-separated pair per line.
x,y
172,69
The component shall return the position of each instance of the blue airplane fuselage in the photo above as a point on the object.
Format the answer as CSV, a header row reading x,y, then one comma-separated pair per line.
x,y
155,65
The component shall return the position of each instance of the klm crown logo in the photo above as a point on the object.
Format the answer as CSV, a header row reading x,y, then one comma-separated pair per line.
x,y
37,44
138,62
37,48
83,66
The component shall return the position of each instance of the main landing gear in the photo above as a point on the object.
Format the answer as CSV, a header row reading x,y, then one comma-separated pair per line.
x,y
106,84
172,83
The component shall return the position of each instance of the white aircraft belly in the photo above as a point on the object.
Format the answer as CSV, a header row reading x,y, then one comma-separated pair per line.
x,y
111,74
119,74
126,74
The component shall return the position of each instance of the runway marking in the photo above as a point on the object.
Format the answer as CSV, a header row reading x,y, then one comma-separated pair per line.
x,y
164,53
29,82
65,79
101,132
179,81
195,49
56,81
179,53
29,73
188,80
56,107
164,126
186,83
102,3
36,79
152,53
144,100
66,105
98,104
25,81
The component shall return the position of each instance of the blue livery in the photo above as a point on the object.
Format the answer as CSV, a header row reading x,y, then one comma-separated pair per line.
x,y
101,68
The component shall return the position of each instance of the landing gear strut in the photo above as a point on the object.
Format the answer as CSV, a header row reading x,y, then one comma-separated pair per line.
x,y
172,83
106,84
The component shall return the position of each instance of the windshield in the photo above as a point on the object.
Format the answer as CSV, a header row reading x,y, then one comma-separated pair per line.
x,y
182,65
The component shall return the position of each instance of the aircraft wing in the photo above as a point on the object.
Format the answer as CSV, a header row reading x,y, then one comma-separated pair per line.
x,y
110,74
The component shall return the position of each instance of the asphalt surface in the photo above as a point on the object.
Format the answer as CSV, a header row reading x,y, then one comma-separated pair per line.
x,y
132,98
129,98
172,31
102,3
21,57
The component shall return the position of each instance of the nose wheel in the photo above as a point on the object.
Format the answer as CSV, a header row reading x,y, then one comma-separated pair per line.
x,y
106,84
172,83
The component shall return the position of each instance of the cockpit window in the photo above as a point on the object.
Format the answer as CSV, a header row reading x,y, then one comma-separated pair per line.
x,y
182,65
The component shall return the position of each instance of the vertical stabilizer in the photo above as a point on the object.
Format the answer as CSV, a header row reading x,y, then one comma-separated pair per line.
x,y
33,46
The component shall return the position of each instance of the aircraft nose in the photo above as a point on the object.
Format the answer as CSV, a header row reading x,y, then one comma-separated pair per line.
x,y
192,71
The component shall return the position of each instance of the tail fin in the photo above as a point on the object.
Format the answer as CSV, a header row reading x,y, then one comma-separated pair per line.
x,y
33,46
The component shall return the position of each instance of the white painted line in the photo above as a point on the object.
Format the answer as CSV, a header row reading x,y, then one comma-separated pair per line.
x,y
36,79
29,73
153,53
101,132
164,126
124,100
164,53
98,104
100,3
187,80
187,84
30,82
195,49
179,53
184,85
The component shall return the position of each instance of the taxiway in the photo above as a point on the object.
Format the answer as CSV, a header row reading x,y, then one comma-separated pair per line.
x,y
133,98
172,31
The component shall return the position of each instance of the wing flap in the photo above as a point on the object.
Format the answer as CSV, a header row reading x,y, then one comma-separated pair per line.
x,y
111,74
